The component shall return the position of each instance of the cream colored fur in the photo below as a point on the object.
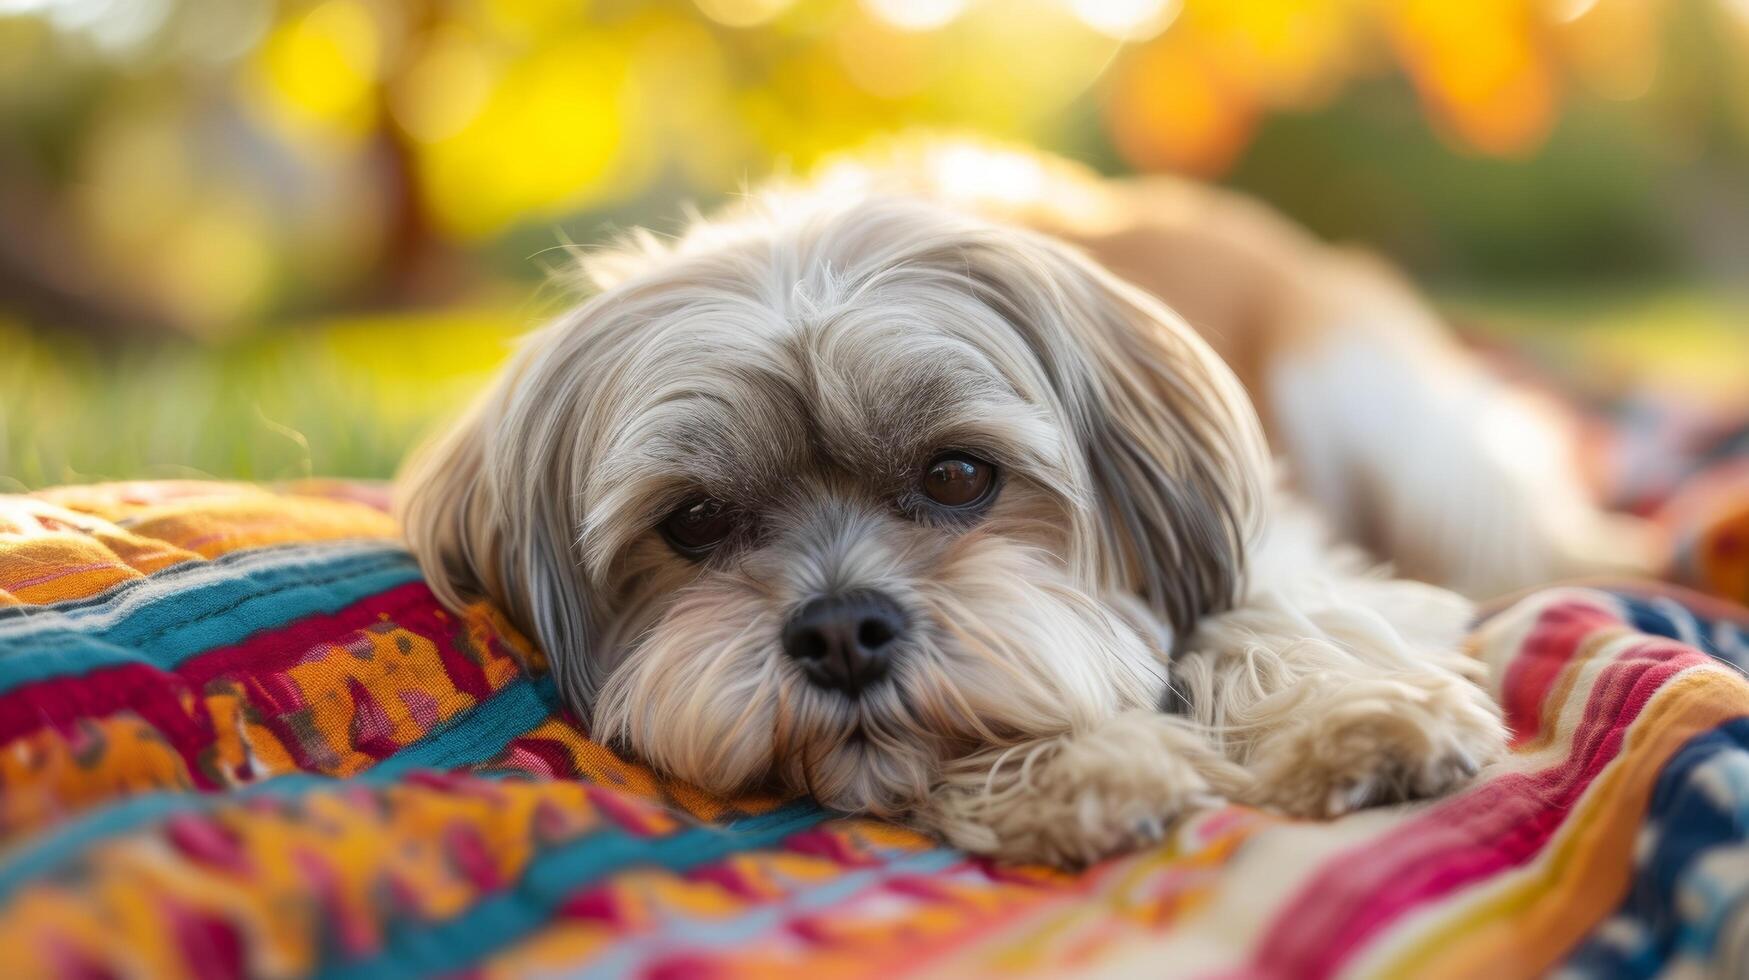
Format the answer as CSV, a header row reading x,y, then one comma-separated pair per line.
x,y
801,357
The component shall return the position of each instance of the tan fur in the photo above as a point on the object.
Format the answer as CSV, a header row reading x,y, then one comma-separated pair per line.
x,y
1406,443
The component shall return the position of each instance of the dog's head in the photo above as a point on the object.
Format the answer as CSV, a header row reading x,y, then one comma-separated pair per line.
x,y
829,495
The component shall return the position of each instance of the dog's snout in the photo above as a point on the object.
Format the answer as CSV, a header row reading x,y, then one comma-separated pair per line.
x,y
845,642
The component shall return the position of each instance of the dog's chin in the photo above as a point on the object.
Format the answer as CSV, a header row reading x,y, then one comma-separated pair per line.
x,y
1009,648
862,767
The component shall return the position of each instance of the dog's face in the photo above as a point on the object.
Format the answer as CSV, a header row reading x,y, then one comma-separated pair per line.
x,y
827,497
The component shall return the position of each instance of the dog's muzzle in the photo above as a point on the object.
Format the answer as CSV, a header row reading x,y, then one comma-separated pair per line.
x,y
845,643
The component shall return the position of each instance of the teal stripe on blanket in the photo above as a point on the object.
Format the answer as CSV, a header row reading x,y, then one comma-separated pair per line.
x,y
162,624
503,918
267,565
471,738
113,602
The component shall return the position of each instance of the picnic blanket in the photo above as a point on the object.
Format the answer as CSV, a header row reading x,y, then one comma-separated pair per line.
x,y
238,735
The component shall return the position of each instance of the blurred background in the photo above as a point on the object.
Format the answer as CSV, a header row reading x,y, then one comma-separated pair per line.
x,y
265,240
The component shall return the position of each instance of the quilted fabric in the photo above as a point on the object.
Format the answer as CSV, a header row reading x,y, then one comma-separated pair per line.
x,y
239,736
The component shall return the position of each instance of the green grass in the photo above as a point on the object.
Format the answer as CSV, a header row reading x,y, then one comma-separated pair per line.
x,y
1604,340
344,398
348,398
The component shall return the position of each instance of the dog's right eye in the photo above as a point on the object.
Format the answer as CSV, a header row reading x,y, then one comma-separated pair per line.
x,y
697,526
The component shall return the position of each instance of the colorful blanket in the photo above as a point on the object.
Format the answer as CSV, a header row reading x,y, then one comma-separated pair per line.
x,y
239,736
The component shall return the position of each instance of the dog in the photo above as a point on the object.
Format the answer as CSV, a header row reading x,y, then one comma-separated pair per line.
x,y
913,489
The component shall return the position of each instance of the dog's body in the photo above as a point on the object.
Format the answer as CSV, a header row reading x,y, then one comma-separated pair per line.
x,y
1407,445
861,493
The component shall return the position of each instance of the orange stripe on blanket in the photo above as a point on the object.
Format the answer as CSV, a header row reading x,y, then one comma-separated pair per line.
x,y
49,775
73,544
115,501
50,554
559,749
213,528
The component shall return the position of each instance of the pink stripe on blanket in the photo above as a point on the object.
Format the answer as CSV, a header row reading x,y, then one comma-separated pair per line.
x,y
1498,825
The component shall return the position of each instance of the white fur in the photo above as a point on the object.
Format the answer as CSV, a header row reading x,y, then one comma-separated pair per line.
x,y
1406,442
1336,685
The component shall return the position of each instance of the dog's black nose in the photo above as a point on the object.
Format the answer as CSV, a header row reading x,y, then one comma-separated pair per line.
x,y
845,642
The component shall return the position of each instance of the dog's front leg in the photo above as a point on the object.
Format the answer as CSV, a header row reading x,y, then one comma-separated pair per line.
x,y
1076,798
1337,687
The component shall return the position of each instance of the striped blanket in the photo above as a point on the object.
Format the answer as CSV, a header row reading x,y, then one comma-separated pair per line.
x,y
239,736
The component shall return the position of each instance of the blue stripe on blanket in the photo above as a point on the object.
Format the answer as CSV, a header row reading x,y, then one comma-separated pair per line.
x,y
1690,892
1664,616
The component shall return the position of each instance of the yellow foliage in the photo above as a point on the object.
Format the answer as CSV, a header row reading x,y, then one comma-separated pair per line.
x,y
742,13
544,139
316,73
532,20
444,85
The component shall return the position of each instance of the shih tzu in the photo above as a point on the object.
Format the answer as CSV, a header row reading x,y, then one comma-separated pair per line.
x,y
888,489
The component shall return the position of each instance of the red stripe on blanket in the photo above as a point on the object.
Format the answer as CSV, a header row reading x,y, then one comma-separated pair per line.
x,y
173,701
60,701
261,663
1556,637
163,700
411,606
1501,824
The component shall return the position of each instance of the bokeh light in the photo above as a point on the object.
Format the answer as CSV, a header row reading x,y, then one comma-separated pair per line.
x,y
213,184
742,13
218,164
916,15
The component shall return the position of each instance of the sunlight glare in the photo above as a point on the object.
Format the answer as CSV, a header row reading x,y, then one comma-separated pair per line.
x,y
1568,11
971,173
1127,20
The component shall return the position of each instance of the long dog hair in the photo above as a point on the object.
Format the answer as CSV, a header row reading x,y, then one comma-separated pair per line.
x,y
794,366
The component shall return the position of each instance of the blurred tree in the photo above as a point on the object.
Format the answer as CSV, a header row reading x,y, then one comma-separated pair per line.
x,y
205,164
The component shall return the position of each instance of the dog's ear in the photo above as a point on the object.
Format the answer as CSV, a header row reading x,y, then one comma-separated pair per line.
x,y
1173,446
487,509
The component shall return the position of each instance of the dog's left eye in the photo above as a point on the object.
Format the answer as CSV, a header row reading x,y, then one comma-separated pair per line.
x,y
958,480
697,526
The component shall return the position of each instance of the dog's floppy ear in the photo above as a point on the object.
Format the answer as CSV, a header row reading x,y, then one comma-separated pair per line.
x,y
1174,448
487,509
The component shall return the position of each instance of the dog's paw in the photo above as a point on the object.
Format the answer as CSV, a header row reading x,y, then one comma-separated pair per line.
x,y
1074,800
1378,741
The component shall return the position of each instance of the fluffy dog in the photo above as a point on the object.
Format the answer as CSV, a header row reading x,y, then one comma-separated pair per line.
x,y
870,489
